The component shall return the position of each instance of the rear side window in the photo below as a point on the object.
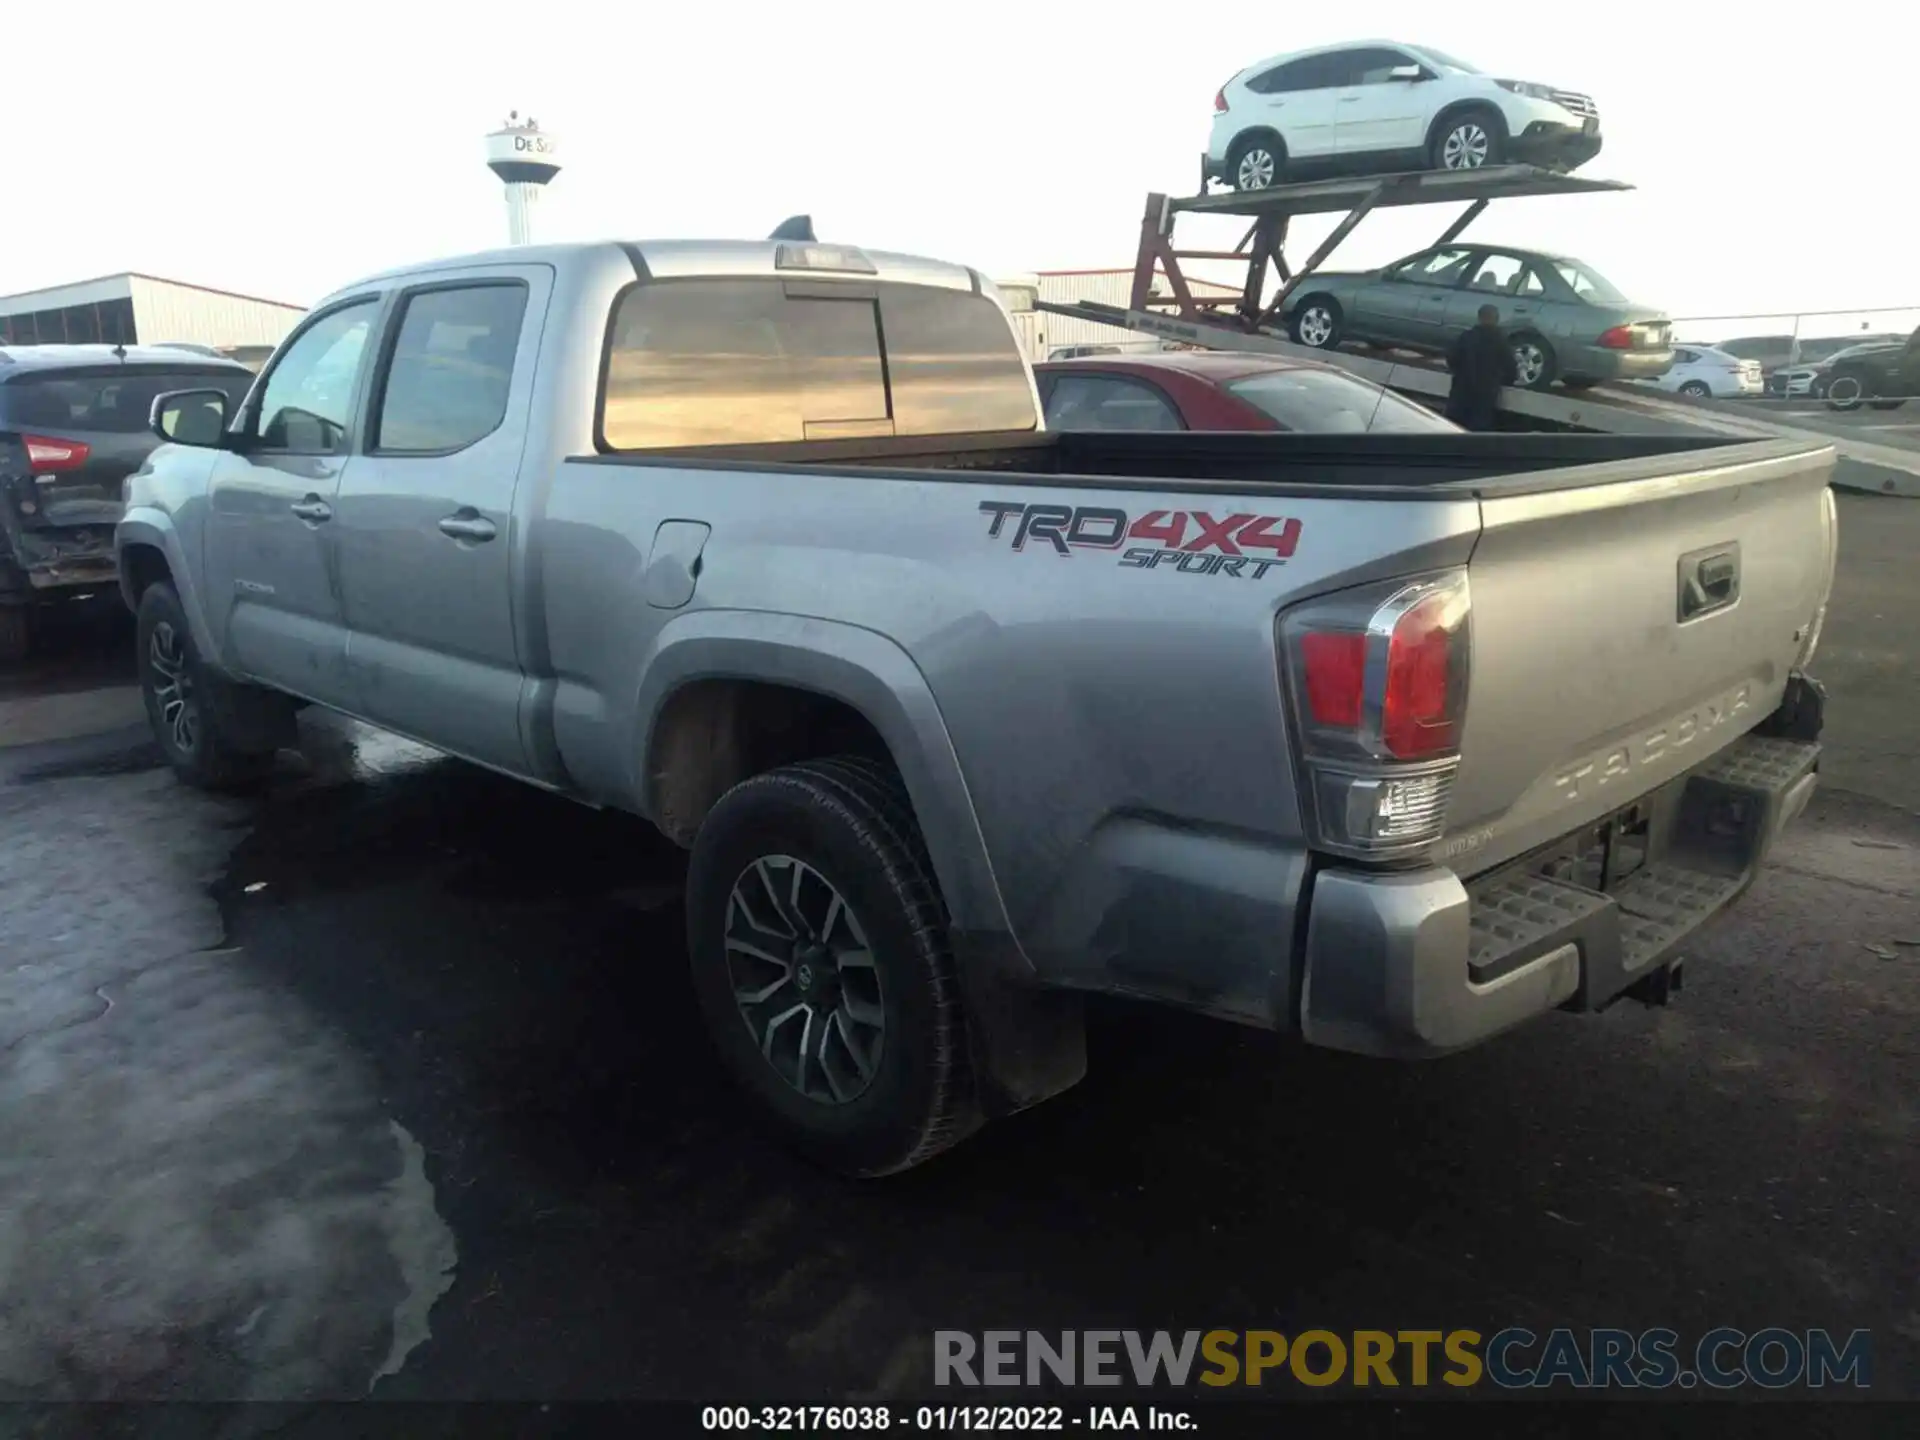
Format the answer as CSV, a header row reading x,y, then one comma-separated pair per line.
x,y
1315,72
730,362
1106,402
114,403
452,365
1329,402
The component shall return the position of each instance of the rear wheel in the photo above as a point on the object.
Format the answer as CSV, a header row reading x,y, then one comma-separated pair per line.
x,y
187,705
1317,322
821,961
1470,140
1258,162
1698,389
1535,361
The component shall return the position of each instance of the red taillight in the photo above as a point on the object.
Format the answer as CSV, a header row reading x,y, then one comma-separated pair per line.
x,y
45,454
1335,669
1620,337
1379,683
1220,101
1416,721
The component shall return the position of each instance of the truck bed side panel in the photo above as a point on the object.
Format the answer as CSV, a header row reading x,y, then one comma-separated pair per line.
x,y
1117,716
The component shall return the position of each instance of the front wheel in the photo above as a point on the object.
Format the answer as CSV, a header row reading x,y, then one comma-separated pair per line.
x,y
1845,392
1472,140
1317,323
188,707
821,961
1534,360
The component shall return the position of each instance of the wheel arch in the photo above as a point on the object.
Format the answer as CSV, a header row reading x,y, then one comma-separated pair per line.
x,y
712,670
1453,110
1252,132
695,739
148,549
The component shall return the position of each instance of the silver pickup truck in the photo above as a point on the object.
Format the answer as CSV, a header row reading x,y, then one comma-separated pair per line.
x,y
1390,742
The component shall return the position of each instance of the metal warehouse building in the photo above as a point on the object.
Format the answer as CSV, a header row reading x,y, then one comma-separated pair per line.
x,y
143,309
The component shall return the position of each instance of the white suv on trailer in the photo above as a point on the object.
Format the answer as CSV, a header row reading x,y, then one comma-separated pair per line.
x,y
1379,105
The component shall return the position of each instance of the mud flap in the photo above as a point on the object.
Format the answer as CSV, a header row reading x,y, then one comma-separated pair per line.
x,y
1027,1044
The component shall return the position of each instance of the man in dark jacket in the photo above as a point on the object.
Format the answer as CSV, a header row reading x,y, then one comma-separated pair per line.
x,y
1482,362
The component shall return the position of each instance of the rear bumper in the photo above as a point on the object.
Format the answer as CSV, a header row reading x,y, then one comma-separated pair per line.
x,y
1554,144
41,562
1597,362
1421,964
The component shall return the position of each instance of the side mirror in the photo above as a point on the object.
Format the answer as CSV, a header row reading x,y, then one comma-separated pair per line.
x,y
190,417
1407,72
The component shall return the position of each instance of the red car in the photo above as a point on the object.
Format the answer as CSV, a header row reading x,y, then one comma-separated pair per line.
x,y
1212,390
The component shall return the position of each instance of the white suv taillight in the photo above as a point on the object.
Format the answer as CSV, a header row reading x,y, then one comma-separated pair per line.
x,y
1377,681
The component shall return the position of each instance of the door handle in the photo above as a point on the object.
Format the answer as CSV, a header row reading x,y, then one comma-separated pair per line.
x,y
470,525
1350,99
312,509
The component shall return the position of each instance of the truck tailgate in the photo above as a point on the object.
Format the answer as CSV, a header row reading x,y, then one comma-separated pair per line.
x,y
1624,630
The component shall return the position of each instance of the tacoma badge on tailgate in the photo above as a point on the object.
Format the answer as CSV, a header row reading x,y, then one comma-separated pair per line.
x,y
1244,546
1650,745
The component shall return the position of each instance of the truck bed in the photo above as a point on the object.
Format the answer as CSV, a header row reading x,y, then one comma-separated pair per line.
x,y
1280,465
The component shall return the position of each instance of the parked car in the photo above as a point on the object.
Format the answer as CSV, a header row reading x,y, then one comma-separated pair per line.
x,y
1701,370
73,426
1380,105
1882,376
1387,741
1201,390
1810,379
1791,381
1567,322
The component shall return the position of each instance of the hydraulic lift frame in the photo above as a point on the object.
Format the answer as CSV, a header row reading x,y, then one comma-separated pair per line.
x,y
1271,211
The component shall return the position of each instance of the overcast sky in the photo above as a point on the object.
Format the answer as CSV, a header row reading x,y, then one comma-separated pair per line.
x,y
282,150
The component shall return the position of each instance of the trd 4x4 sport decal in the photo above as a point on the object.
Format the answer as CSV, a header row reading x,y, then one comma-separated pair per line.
x,y
1192,541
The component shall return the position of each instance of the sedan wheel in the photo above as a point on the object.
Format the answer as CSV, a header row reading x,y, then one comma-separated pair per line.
x,y
1698,389
1316,326
1531,359
1845,392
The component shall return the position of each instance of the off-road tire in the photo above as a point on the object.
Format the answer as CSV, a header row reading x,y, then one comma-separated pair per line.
x,y
215,759
849,820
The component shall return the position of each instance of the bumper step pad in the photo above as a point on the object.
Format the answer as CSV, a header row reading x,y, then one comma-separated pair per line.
x,y
1728,813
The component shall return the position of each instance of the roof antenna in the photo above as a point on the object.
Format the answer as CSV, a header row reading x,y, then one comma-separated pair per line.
x,y
796,227
120,350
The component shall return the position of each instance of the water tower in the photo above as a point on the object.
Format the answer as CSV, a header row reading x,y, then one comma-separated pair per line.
x,y
522,155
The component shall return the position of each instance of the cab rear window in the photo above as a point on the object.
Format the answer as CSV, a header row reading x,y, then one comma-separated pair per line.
x,y
743,361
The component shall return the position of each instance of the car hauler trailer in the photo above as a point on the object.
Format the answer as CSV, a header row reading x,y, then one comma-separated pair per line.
x,y
1249,320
